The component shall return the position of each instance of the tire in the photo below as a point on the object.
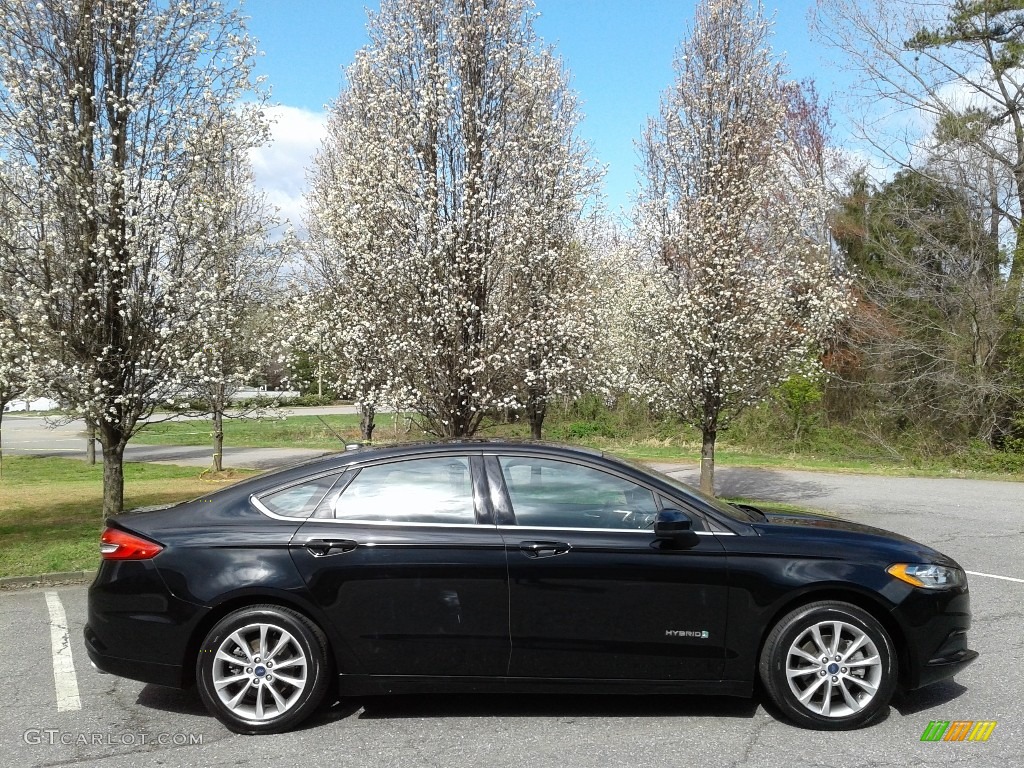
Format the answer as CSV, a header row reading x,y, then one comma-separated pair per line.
x,y
237,663
860,668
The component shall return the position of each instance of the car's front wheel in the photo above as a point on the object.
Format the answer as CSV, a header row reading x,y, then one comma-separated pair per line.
x,y
829,665
262,669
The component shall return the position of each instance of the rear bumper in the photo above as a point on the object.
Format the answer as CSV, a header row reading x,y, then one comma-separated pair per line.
x,y
136,628
169,675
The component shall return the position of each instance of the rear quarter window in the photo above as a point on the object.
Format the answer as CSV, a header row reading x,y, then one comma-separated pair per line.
x,y
301,500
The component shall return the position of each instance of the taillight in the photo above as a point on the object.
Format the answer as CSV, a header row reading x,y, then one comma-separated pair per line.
x,y
116,544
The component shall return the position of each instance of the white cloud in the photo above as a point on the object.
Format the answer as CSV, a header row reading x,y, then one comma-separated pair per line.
x,y
280,166
879,167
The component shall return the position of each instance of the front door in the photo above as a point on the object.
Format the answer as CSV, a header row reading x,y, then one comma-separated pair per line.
x,y
593,594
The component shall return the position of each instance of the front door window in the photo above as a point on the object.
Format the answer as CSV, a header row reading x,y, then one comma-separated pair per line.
x,y
557,494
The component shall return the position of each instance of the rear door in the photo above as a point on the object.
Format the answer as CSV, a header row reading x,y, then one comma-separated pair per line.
x,y
592,593
405,559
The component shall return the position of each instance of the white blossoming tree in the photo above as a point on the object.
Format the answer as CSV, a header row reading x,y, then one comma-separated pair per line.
x,y
105,107
443,210
14,355
14,363
558,326
14,380
238,330
734,291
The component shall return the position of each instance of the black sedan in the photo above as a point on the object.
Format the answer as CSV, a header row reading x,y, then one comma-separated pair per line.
x,y
519,567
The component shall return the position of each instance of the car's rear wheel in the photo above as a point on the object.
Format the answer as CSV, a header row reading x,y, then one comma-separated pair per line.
x,y
262,669
830,666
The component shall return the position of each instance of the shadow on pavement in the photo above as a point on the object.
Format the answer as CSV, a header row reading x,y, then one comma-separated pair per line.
x,y
754,483
182,702
554,705
187,702
766,485
933,696
561,706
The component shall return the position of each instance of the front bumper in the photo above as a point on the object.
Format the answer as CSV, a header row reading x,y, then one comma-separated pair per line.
x,y
940,669
935,625
947,660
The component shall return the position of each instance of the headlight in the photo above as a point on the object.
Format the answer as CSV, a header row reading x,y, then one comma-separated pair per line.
x,y
928,575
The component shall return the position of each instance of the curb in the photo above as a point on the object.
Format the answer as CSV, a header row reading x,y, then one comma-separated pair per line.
x,y
47,579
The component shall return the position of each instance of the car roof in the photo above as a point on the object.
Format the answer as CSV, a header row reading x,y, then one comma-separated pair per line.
x,y
359,454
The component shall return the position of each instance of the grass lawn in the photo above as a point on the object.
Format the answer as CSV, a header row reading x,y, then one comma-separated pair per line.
x,y
51,508
271,432
677,445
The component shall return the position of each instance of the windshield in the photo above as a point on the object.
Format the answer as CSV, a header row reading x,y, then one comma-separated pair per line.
x,y
735,513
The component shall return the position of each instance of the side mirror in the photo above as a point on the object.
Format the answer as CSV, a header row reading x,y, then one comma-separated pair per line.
x,y
675,526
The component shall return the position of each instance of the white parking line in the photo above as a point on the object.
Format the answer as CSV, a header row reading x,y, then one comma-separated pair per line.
x,y
64,679
993,576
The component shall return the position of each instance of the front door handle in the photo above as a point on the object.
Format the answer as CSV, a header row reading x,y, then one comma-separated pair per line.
x,y
324,547
544,548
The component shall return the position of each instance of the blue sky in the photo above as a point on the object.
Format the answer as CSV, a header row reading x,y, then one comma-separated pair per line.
x,y
619,53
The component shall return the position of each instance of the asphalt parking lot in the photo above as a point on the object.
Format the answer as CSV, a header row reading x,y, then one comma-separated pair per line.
x,y
59,711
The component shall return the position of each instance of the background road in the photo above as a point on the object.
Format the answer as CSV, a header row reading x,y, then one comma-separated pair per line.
x,y
980,523
38,435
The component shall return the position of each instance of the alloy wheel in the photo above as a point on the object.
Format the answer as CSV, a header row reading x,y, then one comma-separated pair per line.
x,y
833,668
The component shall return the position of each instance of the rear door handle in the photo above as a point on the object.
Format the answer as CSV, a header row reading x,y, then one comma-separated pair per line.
x,y
544,548
324,547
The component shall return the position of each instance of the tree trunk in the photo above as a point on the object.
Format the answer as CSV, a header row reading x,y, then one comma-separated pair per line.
x,y
536,409
2,406
1016,280
455,416
90,442
366,421
991,264
218,439
707,460
113,479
